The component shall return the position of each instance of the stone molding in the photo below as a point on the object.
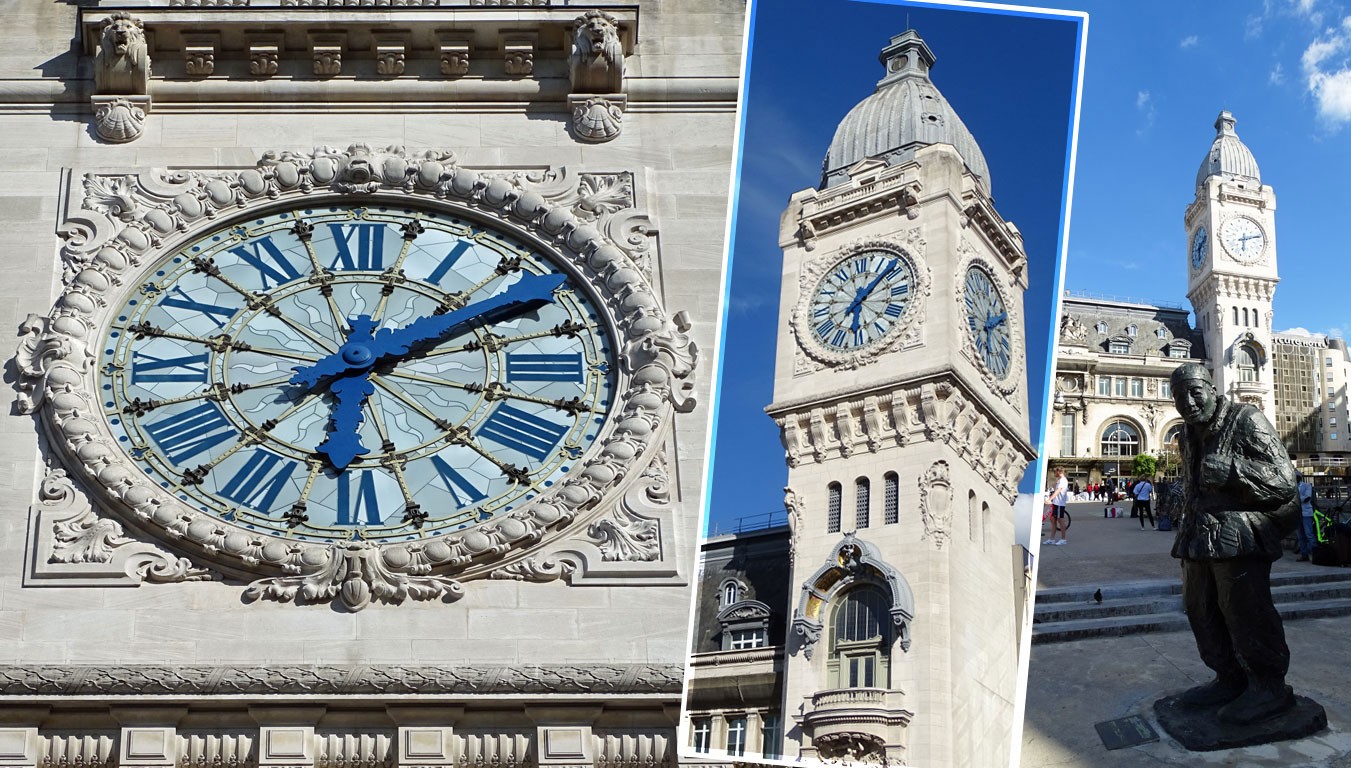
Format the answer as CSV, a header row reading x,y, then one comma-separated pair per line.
x,y
937,410
609,520
66,681
375,54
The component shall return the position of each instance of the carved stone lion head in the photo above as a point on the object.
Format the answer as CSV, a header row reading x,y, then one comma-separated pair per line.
x,y
121,33
598,35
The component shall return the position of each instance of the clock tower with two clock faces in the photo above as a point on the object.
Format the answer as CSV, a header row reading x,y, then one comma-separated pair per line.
x,y
900,390
1231,267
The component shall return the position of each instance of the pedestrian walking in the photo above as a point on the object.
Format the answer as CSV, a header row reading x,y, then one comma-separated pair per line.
x,y
1060,498
1143,490
1305,529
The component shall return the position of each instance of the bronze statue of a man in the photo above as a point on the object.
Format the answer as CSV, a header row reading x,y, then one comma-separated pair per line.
x,y
1238,502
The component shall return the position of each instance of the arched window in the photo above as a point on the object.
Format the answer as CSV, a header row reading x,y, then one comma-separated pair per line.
x,y
971,523
1245,317
985,526
1246,359
862,493
731,592
1132,329
891,502
861,636
1235,315
1173,434
833,508
1120,438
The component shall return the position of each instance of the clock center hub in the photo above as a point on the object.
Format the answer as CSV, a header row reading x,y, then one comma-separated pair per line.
x,y
357,354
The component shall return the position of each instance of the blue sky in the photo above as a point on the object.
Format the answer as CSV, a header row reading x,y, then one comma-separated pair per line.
x,y
1158,72
1009,77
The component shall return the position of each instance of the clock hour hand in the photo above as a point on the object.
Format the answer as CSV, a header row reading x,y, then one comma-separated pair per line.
x,y
343,444
354,355
995,321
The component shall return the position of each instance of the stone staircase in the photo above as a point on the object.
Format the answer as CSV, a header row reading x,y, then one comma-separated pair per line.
x,y
1070,613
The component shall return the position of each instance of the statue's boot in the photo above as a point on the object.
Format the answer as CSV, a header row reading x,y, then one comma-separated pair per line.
x,y
1222,690
1263,699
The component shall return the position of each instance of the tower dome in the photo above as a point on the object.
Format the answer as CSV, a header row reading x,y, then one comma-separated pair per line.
x,y
1228,156
906,112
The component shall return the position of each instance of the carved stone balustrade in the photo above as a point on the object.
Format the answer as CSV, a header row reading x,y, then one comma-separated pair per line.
x,y
856,724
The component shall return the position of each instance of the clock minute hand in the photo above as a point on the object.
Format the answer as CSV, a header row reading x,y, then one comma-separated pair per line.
x,y
529,293
868,289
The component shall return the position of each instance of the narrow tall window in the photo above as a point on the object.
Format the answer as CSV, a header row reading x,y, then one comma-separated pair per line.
x,y
862,500
1067,435
971,523
702,733
833,508
1235,315
730,593
736,735
985,526
891,498
770,736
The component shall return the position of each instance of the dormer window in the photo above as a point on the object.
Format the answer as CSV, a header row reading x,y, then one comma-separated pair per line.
x,y
732,591
1132,329
1162,333
1101,327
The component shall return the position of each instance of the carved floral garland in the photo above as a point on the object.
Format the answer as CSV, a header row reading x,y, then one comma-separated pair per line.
x,y
126,220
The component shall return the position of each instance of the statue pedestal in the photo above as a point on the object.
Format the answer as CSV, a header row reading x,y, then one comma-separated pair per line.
x,y
1199,730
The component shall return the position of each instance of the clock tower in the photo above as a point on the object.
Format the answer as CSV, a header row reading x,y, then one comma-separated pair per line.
x,y
900,390
1231,266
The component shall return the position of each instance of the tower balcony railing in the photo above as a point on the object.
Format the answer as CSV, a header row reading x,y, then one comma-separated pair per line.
x,y
853,715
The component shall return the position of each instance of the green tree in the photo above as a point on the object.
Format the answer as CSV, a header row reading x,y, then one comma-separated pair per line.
x,y
1144,465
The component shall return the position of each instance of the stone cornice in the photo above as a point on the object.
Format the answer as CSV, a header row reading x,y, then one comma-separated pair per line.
x,y
31,682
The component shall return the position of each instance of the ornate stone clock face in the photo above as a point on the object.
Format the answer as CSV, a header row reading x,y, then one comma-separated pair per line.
x,y
1200,243
1244,239
335,373
988,322
859,301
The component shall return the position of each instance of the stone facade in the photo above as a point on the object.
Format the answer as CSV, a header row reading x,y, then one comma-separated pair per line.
x,y
137,638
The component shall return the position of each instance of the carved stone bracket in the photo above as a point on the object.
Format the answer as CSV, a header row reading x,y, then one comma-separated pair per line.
x,y
609,520
596,76
121,79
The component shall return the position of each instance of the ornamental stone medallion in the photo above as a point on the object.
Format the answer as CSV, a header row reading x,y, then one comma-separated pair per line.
x,y
354,376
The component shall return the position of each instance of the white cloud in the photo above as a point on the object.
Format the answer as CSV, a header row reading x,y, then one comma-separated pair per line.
x,y
1189,41
1144,103
1326,64
1277,76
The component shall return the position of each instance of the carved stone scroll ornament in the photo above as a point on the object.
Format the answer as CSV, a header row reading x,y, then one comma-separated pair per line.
x,y
124,220
596,72
121,80
935,503
73,544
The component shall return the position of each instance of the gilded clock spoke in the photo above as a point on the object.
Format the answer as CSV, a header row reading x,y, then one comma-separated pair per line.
x,y
378,419
256,301
412,511
393,276
319,276
456,434
505,266
218,392
252,436
493,343
219,343
296,516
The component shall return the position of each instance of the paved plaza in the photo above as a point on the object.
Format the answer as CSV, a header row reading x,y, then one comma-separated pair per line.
x,y
1073,685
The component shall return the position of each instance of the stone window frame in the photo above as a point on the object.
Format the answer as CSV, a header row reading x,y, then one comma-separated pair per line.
x,y
743,616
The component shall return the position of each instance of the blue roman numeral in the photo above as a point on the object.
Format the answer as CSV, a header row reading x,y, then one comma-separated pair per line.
x,y
456,484
366,502
148,369
448,262
186,302
370,246
894,310
256,485
187,433
252,253
526,367
531,435
825,327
